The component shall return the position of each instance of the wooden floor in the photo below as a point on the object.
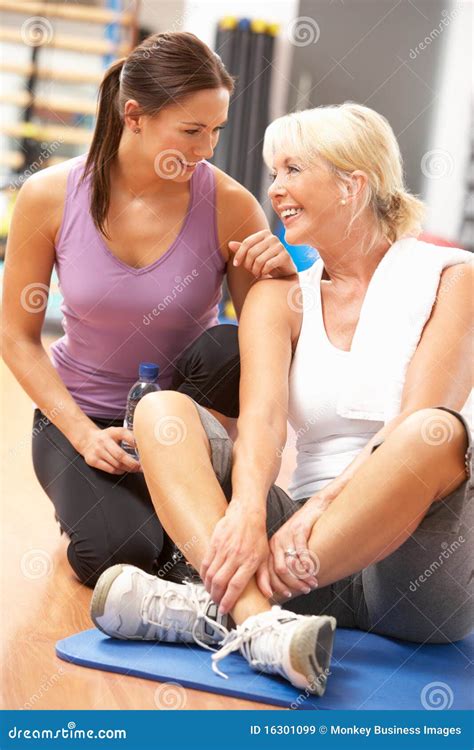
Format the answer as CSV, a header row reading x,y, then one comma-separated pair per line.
x,y
42,601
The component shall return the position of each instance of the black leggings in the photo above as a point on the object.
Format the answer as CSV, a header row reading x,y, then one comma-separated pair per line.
x,y
109,518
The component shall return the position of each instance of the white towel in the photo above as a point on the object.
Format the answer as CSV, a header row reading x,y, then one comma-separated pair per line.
x,y
396,307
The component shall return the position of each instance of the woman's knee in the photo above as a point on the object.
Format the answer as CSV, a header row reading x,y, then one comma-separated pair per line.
x,y
451,631
89,561
436,439
165,417
435,428
86,567
422,628
418,596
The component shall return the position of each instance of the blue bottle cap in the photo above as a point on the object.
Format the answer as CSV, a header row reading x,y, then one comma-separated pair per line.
x,y
148,371
244,24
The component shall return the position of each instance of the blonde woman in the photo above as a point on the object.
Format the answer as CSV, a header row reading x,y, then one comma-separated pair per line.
x,y
371,349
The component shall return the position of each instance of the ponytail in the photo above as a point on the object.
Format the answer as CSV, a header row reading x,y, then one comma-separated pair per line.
x,y
105,144
399,214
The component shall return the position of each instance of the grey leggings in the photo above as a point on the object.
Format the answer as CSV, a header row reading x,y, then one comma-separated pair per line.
x,y
421,592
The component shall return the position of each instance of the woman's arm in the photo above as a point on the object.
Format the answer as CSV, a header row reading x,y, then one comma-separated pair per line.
x,y
242,221
267,334
29,263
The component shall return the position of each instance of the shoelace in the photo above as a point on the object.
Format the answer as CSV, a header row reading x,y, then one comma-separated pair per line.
x,y
162,607
240,638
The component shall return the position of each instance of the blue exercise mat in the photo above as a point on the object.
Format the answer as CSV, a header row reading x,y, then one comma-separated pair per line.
x,y
367,671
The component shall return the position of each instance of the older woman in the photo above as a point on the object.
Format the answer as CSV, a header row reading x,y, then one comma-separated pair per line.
x,y
361,526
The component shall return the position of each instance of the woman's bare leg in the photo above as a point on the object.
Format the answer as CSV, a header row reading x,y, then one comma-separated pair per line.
x,y
175,457
385,501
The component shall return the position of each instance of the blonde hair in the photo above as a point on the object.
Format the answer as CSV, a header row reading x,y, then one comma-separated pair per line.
x,y
351,137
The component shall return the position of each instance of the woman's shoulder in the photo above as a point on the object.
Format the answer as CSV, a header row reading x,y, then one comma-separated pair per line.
x,y
456,283
44,192
278,301
224,182
246,215
423,252
53,179
227,188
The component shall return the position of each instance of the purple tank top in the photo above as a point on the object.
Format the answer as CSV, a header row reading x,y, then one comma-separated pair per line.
x,y
116,316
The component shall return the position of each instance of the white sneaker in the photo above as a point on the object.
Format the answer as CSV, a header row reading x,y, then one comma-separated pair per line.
x,y
297,647
130,604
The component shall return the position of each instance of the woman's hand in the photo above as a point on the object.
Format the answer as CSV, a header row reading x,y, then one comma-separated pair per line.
x,y
262,254
295,574
101,449
238,547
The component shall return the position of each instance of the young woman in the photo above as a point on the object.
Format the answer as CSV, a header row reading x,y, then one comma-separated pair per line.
x,y
139,229
362,524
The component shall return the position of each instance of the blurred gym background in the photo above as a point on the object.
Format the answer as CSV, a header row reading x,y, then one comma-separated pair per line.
x,y
411,60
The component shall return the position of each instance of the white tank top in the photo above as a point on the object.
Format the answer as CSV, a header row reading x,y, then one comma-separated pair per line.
x,y
326,443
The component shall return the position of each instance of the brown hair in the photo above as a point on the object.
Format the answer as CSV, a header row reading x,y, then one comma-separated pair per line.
x,y
164,69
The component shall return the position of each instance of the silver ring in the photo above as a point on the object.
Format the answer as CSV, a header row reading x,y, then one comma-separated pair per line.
x,y
291,552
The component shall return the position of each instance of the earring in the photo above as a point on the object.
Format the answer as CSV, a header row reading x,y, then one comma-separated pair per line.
x,y
343,202
137,130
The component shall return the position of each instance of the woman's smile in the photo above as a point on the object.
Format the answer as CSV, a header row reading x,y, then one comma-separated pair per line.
x,y
189,166
289,216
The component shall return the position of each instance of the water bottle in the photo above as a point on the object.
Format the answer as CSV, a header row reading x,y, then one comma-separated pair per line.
x,y
147,376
